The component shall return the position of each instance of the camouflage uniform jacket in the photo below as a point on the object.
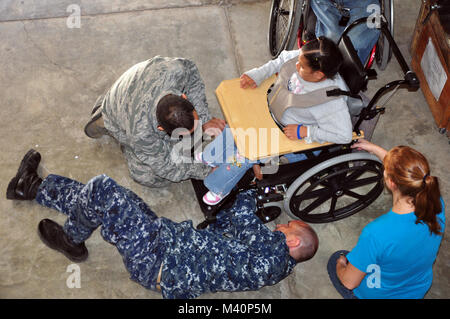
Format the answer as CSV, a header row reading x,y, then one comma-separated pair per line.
x,y
238,253
129,114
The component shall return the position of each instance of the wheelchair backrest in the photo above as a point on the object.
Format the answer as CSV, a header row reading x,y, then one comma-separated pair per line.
x,y
352,69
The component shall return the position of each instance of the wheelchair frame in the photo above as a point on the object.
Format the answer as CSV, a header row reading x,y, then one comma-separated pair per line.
x,y
337,170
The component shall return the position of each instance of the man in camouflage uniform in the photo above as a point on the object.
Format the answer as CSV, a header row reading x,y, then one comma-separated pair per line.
x,y
237,253
127,112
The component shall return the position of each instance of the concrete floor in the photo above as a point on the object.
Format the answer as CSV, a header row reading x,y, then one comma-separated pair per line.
x,y
51,74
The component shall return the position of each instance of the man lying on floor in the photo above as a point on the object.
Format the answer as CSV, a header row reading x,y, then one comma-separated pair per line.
x,y
237,253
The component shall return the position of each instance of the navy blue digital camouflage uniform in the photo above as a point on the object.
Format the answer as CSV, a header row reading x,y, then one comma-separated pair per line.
x,y
237,253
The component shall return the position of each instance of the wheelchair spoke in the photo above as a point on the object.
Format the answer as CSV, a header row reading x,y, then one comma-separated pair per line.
x,y
319,196
283,12
316,203
281,19
352,194
363,182
312,194
332,206
356,173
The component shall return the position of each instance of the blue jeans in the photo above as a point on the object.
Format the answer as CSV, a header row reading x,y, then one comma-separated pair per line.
x,y
331,267
328,16
293,157
231,167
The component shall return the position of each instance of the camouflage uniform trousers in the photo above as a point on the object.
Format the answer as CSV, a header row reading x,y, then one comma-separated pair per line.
x,y
125,220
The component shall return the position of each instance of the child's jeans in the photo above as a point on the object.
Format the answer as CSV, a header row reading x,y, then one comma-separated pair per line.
x,y
293,157
231,166
363,37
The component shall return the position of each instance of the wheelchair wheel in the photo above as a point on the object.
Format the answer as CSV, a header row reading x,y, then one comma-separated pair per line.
x,y
335,189
283,24
383,51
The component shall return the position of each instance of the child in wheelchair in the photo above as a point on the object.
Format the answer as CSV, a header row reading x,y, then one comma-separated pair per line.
x,y
316,68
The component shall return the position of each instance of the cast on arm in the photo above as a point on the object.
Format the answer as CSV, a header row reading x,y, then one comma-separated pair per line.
x,y
273,66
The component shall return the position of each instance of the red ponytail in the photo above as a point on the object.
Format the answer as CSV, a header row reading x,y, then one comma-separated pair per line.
x,y
410,172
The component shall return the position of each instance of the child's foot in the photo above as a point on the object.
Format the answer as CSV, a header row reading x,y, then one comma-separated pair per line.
x,y
211,198
199,158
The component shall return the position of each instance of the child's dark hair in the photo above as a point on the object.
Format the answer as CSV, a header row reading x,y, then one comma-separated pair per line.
x,y
323,55
174,112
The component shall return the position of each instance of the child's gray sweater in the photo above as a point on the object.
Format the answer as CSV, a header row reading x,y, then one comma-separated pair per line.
x,y
327,122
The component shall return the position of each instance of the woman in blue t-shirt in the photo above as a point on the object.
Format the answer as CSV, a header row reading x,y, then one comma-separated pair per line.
x,y
395,253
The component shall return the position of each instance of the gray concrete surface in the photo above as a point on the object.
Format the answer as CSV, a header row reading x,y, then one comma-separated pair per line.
x,y
51,74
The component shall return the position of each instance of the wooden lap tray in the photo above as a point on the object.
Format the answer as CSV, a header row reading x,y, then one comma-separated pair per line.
x,y
255,133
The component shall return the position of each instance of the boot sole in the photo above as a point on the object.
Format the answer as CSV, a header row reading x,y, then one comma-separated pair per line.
x,y
54,247
92,130
10,191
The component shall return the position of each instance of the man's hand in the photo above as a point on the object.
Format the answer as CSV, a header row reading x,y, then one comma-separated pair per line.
x,y
214,127
247,82
291,131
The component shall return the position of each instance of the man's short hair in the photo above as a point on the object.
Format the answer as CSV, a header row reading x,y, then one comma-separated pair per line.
x,y
174,112
308,245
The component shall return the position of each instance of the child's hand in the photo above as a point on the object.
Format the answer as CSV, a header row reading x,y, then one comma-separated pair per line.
x,y
247,82
291,131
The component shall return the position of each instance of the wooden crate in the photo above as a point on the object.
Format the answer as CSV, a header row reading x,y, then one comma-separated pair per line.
x,y
430,60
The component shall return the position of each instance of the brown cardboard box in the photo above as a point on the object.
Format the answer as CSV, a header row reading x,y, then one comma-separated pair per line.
x,y
431,60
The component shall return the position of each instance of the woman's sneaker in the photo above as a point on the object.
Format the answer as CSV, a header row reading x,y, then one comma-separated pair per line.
x,y
212,198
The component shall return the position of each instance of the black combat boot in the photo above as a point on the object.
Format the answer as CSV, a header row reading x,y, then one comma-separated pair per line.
x,y
54,237
25,184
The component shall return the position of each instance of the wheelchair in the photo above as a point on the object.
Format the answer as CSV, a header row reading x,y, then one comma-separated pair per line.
x,y
292,22
329,186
